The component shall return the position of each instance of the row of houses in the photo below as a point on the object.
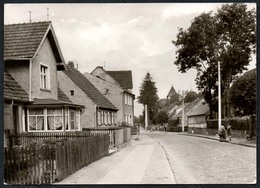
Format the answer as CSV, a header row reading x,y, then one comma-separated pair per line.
x,y
43,93
195,112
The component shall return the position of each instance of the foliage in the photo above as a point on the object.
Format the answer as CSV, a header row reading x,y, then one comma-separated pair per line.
x,y
190,96
173,122
243,93
227,37
162,117
148,96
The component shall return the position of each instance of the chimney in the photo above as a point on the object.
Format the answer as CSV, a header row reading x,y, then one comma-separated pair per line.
x,y
71,64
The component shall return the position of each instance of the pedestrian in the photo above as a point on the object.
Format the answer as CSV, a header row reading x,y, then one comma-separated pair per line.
x,y
222,133
229,131
164,127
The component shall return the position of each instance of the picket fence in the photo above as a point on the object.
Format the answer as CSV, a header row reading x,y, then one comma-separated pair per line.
x,y
117,135
52,161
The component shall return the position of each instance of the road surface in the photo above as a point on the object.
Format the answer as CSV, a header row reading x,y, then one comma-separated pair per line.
x,y
170,158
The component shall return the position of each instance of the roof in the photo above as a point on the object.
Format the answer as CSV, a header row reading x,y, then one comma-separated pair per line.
x,y
52,102
172,92
124,78
201,109
12,90
62,96
24,40
88,88
189,107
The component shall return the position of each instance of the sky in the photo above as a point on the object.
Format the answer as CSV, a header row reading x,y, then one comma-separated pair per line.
x,y
136,37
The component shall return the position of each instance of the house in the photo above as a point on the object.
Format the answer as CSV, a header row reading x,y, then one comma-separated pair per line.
x,y
99,111
197,117
33,101
117,87
187,109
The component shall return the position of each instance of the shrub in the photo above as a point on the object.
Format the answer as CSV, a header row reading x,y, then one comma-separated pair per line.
x,y
236,123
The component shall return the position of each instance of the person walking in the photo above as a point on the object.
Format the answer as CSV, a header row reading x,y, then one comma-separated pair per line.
x,y
229,131
222,133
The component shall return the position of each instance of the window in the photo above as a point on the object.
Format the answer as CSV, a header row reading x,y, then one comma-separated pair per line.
x,y
44,77
54,119
125,99
36,120
74,120
99,118
109,118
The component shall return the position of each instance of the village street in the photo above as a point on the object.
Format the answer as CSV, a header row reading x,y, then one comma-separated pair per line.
x,y
171,158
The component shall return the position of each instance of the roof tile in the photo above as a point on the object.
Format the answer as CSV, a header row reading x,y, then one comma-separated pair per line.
x,y
22,40
12,90
88,88
124,78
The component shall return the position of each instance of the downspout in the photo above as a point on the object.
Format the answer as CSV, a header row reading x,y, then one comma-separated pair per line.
x,y
30,80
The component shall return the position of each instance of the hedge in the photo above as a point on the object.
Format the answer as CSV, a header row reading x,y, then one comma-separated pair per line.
x,y
236,123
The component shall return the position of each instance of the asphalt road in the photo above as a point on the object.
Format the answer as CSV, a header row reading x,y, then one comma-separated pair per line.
x,y
170,158
197,160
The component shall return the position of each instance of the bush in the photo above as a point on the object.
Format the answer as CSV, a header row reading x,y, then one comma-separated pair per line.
x,y
176,129
236,123
173,123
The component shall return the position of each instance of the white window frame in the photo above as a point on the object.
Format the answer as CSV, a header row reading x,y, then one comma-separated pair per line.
x,y
28,120
76,116
47,76
63,123
45,118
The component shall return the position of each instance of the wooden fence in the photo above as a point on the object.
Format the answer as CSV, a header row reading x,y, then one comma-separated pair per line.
x,y
52,161
117,135
26,139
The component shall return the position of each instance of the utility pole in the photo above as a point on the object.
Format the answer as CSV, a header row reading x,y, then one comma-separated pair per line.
x,y
146,116
183,121
219,96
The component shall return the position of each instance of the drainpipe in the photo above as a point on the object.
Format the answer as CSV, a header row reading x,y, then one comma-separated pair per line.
x,y
30,80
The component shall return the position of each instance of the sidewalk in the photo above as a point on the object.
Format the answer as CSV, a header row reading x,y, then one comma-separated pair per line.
x,y
237,141
143,161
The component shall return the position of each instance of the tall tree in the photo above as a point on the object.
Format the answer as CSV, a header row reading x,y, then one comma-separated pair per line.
x,y
228,36
148,96
243,93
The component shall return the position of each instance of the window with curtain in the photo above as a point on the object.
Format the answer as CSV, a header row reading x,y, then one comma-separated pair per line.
x,y
54,119
99,117
35,120
109,118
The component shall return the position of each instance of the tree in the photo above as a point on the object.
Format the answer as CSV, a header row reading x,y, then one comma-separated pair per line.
x,y
148,95
227,37
243,93
190,96
162,117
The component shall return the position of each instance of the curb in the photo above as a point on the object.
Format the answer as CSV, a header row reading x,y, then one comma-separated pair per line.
x,y
201,136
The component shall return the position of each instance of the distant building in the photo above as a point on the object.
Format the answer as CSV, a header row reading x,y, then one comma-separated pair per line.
x,y
172,95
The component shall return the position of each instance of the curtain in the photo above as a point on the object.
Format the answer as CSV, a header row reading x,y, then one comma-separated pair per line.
x,y
54,119
36,119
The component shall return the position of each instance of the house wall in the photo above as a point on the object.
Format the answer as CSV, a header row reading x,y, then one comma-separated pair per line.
x,y
129,109
88,117
46,57
114,94
103,75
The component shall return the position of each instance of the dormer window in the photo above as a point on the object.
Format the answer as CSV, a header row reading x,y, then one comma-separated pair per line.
x,y
44,77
